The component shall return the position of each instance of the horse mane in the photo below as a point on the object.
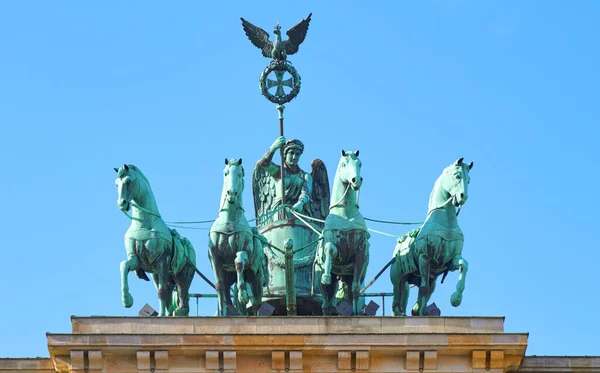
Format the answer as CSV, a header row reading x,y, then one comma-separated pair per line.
x,y
438,181
139,172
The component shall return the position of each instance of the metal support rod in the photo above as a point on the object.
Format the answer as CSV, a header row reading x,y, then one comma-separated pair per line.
x,y
280,109
200,274
290,287
377,275
364,295
205,278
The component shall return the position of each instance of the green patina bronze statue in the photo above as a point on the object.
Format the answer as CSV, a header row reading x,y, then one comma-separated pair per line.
x,y
306,194
298,184
234,249
306,255
434,249
344,250
279,49
152,247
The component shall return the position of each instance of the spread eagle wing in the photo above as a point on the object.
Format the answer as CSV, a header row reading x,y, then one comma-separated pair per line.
x,y
263,189
320,190
296,36
258,37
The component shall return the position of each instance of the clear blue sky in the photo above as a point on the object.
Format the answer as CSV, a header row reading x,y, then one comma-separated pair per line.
x,y
173,89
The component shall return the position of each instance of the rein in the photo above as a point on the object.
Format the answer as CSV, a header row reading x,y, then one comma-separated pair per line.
x,y
340,202
141,209
445,203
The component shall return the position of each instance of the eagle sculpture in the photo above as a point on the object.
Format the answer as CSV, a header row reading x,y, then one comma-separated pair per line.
x,y
279,49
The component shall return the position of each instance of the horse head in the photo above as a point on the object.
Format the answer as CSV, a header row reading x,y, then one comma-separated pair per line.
x,y
127,186
233,181
348,170
455,181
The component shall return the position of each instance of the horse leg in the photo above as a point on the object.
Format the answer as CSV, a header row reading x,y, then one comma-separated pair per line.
x,y
330,252
424,268
183,282
417,307
401,288
127,266
165,291
401,291
218,272
230,287
361,261
458,262
241,261
155,280
404,293
257,288
255,293
328,293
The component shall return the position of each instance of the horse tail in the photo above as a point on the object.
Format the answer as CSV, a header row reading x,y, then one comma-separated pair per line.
x,y
141,274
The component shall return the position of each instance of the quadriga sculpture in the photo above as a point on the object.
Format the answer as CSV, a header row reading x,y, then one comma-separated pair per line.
x,y
152,247
234,249
423,254
344,250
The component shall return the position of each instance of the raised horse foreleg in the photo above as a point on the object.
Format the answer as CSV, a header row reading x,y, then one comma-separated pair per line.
x,y
458,262
326,253
330,252
241,261
127,266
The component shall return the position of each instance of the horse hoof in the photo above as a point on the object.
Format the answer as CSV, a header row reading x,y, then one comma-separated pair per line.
x,y
181,312
396,312
415,310
243,297
456,299
326,279
127,300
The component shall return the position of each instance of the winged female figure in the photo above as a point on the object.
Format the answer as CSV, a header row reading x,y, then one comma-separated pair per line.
x,y
307,193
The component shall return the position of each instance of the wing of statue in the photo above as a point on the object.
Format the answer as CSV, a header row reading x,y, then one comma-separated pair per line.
x,y
258,37
263,189
296,36
320,189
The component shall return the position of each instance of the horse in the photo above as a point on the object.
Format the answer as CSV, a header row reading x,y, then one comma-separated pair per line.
x,y
344,249
235,250
435,248
152,247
